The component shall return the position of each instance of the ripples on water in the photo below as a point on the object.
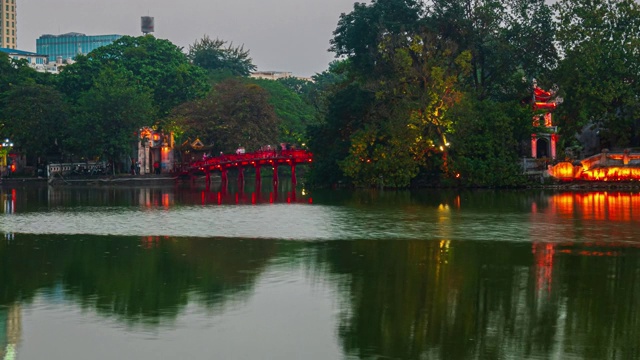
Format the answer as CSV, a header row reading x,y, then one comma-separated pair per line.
x,y
148,273
162,212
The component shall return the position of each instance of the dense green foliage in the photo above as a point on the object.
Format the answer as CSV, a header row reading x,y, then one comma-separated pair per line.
x,y
155,64
600,72
422,93
235,114
214,56
295,114
37,118
111,111
94,108
448,85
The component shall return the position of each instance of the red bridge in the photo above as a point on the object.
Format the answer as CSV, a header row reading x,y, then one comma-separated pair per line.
x,y
271,158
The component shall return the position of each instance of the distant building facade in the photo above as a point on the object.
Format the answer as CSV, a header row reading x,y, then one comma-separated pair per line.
x,y
65,47
275,75
270,75
32,58
8,25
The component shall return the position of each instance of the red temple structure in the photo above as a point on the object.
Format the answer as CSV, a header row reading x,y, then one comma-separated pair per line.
x,y
543,144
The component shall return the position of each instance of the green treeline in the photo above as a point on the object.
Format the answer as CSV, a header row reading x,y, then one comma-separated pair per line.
x,y
439,92
422,93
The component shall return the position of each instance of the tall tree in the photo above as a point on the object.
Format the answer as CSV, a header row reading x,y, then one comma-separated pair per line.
x,y
155,64
220,56
507,40
35,119
413,75
294,113
600,71
233,114
108,116
359,32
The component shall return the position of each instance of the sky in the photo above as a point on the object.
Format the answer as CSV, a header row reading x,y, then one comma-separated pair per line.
x,y
281,35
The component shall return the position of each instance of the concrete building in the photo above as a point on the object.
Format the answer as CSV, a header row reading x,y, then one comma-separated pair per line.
x,y
32,58
65,47
8,25
275,75
270,75
39,62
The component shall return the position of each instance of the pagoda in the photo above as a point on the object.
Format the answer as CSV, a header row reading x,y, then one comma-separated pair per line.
x,y
544,143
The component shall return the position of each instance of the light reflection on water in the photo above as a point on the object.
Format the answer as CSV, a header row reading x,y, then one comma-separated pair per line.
x,y
153,273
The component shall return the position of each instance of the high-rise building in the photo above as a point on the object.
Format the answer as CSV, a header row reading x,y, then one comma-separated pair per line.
x,y
8,27
67,46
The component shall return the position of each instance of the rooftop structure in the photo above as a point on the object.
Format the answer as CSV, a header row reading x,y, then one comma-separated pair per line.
x,y
275,75
39,62
8,24
68,46
31,57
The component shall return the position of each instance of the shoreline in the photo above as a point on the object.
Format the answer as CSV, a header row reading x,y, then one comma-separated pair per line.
x,y
153,179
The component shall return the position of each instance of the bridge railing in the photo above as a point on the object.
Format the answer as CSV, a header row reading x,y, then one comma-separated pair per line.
x,y
295,154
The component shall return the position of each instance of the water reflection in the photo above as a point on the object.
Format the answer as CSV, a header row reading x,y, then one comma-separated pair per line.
x,y
10,330
409,275
8,201
148,279
463,300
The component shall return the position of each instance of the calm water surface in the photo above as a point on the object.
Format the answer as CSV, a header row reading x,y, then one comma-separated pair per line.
x,y
182,272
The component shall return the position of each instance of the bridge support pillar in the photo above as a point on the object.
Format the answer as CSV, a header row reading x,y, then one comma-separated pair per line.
x,y
275,174
258,178
224,175
241,175
294,180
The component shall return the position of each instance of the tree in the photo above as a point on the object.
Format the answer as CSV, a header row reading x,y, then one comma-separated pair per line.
x,y
216,55
295,115
486,142
410,119
347,111
358,33
108,116
600,71
507,41
413,75
35,119
155,64
234,114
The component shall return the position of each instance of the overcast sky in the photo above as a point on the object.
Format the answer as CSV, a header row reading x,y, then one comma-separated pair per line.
x,y
281,35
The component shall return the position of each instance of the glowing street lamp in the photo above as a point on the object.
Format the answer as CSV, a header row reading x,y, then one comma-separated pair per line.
x,y
5,147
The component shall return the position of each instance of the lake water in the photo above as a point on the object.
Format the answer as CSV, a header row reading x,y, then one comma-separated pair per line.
x,y
182,272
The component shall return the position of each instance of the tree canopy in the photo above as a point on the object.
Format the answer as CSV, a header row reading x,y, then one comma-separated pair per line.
x,y
234,114
154,64
220,56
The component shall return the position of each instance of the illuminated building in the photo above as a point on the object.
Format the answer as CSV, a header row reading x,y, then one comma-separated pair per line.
x,y
543,144
155,147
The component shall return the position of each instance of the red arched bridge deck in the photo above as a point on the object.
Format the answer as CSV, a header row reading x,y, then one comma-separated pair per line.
x,y
258,159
